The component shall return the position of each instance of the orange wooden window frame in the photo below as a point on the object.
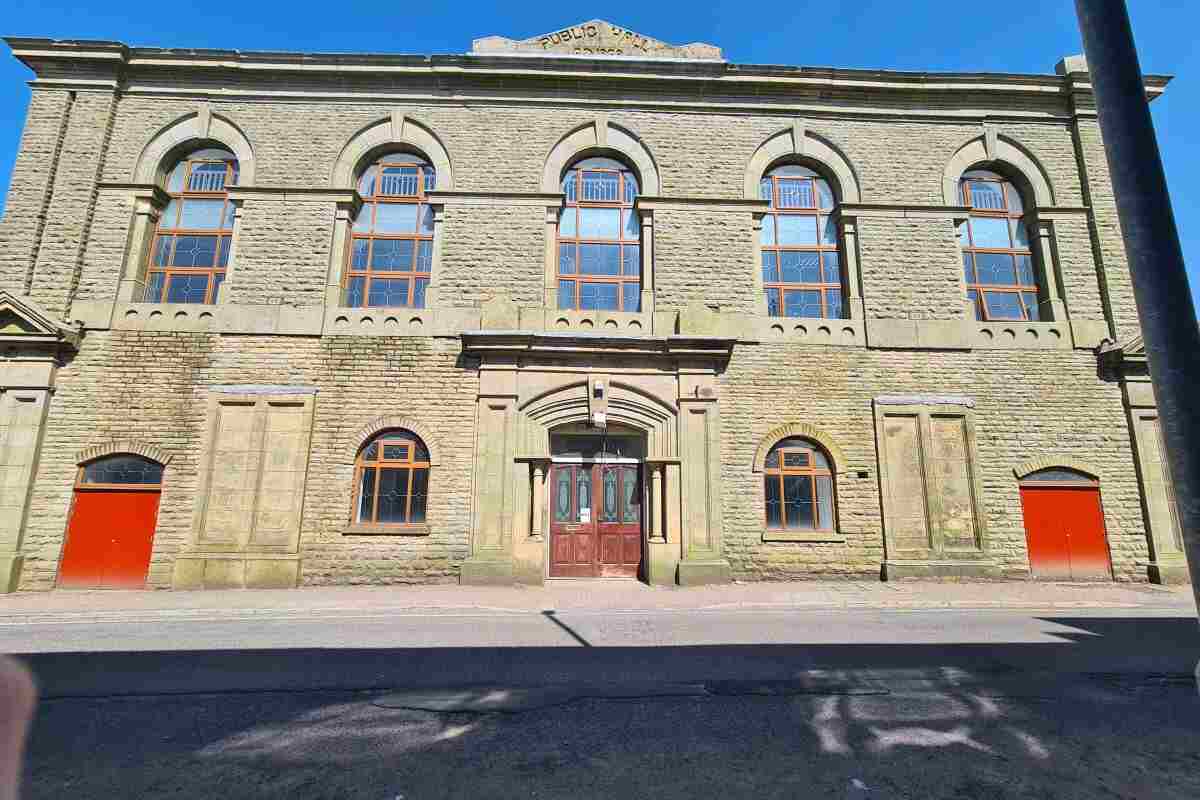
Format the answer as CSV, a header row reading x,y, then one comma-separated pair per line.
x,y
371,207
574,206
821,247
409,463
224,236
971,268
812,472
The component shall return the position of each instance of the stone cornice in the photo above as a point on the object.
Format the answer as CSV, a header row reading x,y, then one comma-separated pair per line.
x,y
482,343
495,198
50,59
902,210
294,194
701,204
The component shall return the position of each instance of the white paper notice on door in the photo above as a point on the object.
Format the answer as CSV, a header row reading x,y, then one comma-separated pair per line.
x,y
585,515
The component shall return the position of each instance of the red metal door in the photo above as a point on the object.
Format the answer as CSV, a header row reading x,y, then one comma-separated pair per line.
x,y
1064,526
595,521
109,539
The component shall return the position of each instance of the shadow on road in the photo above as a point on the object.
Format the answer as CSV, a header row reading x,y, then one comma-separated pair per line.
x,y
1106,711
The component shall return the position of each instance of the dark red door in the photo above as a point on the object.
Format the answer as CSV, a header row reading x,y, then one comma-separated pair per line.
x,y
1064,526
595,521
109,539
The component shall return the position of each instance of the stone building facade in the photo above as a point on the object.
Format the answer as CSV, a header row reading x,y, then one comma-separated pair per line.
x,y
508,316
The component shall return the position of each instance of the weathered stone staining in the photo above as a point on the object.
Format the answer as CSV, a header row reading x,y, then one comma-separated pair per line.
x,y
638,426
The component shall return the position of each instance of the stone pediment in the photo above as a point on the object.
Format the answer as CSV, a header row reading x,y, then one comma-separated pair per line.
x,y
23,321
595,38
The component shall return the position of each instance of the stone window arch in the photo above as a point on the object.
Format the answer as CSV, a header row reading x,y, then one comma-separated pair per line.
x,y
1009,268
1040,465
393,165
191,268
799,243
391,480
193,238
599,170
806,181
798,489
391,254
599,238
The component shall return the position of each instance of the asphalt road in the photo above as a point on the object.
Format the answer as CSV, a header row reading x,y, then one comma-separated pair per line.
x,y
735,703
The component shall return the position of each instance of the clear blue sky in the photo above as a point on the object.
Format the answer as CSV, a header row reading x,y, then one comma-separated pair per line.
x,y
947,35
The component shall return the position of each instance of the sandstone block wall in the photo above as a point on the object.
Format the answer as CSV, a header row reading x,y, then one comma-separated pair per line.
x,y
70,238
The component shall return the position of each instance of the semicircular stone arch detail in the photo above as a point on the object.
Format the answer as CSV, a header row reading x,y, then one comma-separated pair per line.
x,y
393,422
1006,152
813,148
802,430
566,405
1052,462
601,136
123,447
152,166
381,133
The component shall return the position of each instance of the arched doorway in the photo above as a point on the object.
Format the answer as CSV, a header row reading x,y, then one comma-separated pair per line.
x,y
596,499
1064,525
111,529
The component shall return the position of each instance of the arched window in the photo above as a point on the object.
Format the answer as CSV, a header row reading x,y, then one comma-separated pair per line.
x,y
997,261
392,252
391,480
191,245
1060,475
120,470
801,269
798,486
599,239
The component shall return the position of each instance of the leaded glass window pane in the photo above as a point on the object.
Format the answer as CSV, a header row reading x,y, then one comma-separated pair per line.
x,y
598,296
420,491
771,488
366,495
798,502
124,470
631,505
393,496
631,297
608,511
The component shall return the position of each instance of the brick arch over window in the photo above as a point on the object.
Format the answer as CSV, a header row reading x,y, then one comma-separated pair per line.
x,y
190,132
123,447
398,130
804,431
392,422
601,137
995,149
803,145
1060,462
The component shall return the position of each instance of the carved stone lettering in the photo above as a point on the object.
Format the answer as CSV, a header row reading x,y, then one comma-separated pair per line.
x,y
595,38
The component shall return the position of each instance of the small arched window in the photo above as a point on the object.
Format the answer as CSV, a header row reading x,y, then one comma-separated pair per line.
x,y
191,245
599,238
801,268
997,260
125,470
798,486
392,480
392,242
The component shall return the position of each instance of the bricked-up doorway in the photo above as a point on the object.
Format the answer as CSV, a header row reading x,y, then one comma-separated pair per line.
x,y
111,529
1064,526
596,500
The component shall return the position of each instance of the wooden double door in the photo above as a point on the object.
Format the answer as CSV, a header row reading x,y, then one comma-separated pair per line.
x,y
595,520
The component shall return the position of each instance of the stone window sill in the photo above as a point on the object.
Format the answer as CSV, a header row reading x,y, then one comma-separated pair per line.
x,y
803,536
386,530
